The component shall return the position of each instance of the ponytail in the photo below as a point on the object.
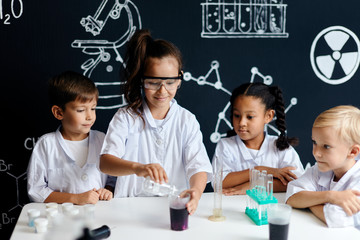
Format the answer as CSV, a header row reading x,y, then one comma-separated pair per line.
x,y
134,59
283,141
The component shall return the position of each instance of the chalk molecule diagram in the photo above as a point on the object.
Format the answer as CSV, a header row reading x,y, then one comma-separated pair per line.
x,y
99,49
8,212
335,55
244,19
214,68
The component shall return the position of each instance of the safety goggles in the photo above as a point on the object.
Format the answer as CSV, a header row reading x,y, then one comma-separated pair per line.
x,y
155,83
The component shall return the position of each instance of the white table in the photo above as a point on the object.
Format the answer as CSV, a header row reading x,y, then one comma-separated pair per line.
x,y
148,218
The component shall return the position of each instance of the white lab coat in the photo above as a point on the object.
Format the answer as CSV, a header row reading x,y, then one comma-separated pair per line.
x,y
177,145
235,156
52,167
314,180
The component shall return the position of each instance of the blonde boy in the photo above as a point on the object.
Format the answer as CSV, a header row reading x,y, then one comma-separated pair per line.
x,y
331,187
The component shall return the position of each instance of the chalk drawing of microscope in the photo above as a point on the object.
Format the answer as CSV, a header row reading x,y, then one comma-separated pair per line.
x,y
243,19
99,49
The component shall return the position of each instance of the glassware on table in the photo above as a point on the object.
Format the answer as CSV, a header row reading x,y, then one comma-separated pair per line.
x,y
259,196
159,189
218,178
179,214
279,220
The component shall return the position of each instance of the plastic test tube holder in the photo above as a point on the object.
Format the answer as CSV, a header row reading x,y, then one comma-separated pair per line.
x,y
260,202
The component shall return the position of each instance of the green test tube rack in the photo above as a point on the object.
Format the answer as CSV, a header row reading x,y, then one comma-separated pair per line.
x,y
257,204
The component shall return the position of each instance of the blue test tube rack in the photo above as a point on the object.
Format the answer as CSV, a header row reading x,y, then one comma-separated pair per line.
x,y
259,197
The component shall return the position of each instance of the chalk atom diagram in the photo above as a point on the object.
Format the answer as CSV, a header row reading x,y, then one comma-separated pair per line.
x,y
244,19
335,55
214,68
100,50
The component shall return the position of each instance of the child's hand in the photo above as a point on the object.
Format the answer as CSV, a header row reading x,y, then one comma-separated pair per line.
x,y
104,194
237,190
347,199
283,174
195,196
154,170
89,197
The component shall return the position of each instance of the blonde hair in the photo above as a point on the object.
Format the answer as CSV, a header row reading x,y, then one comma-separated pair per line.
x,y
346,121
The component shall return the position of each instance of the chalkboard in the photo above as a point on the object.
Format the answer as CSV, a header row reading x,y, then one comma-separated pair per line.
x,y
308,48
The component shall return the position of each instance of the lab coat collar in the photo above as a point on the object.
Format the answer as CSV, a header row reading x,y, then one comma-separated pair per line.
x,y
346,176
149,118
325,178
67,151
245,151
60,139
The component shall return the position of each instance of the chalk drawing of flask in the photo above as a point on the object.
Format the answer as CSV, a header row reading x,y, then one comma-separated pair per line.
x,y
277,16
229,15
212,15
245,15
260,16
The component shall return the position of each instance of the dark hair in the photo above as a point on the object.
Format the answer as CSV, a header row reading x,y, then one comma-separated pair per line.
x,y
141,47
271,97
70,86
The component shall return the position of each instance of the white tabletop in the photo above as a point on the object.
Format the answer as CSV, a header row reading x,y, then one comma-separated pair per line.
x,y
148,218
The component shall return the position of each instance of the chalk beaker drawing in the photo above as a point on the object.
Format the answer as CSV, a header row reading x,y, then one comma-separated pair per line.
x,y
218,178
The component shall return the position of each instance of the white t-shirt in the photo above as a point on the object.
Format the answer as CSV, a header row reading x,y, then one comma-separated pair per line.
x,y
176,144
237,157
79,150
52,167
314,180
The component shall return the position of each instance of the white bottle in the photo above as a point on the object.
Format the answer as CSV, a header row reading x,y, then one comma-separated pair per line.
x,y
159,189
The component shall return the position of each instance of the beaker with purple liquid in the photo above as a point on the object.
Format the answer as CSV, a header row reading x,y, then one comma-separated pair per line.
x,y
179,214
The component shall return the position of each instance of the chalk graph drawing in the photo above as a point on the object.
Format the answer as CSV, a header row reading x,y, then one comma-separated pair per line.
x,y
244,19
335,55
214,69
101,50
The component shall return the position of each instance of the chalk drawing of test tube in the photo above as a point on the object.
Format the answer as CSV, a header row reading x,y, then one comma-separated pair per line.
x,y
260,16
99,48
277,16
229,15
212,15
245,16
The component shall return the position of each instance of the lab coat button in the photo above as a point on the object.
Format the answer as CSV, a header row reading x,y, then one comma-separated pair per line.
x,y
84,177
158,141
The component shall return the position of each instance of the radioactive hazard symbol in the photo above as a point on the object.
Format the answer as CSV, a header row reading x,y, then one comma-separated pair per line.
x,y
335,55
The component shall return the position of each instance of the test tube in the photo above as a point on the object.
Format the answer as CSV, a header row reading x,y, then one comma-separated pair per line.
x,y
255,177
250,177
264,182
270,186
218,174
